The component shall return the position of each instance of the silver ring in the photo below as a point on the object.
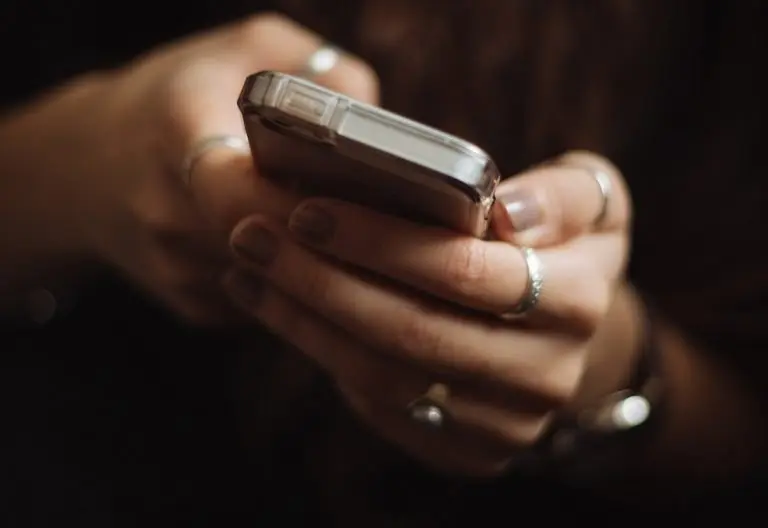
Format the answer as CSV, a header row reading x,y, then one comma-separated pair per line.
x,y
428,414
237,143
604,184
323,60
534,284
428,410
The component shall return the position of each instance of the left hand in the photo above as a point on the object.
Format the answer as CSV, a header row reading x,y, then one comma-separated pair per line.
x,y
389,307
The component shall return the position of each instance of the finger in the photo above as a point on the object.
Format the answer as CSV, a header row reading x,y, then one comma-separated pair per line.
x,y
453,452
272,41
231,189
555,202
204,94
391,383
408,327
185,280
331,348
483,275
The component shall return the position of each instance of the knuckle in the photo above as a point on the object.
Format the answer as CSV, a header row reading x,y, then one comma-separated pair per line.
x,y
598,303
165,229
521,434
180,82
467,266
151,214
418,338
186,77
360,80
261,33
264,26
586,301
590,303
562,381
177,99
195,86
533,431
595,300
590,159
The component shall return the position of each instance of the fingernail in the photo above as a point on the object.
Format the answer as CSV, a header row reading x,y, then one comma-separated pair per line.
x,y
244,289
522,209
256,244
312,223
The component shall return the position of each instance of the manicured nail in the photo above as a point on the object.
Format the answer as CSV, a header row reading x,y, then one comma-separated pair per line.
x,y
244,289
256,244
522,208
312,223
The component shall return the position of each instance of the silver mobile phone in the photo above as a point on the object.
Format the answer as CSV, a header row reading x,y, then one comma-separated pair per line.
x,y
320,142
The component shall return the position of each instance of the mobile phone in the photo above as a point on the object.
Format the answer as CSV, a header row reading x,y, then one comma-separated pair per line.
x,y
319,142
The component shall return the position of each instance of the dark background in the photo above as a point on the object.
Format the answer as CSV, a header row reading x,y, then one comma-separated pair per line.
x,y
114,414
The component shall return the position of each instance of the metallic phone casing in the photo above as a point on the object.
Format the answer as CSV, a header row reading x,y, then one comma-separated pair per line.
x,y
320,142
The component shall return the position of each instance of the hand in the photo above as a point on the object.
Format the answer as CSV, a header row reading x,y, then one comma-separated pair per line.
x,y
388,308
129,133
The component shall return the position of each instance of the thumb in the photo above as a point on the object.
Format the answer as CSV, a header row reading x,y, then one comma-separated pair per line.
x,y
557,201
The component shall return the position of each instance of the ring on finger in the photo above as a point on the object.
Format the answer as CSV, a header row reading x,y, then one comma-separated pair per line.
x,y
534,284
207,144
429,409
604,185
322,60
602,178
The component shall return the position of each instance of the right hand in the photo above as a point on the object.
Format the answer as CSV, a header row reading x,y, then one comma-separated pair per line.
x,y
130,132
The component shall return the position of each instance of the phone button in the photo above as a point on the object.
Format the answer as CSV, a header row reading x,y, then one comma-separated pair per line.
x,y
308,104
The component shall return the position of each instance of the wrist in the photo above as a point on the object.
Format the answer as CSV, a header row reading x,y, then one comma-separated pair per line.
x,y
702,427
617,409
